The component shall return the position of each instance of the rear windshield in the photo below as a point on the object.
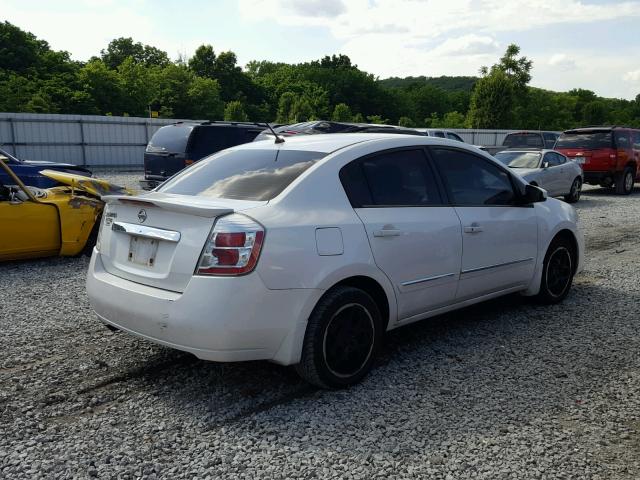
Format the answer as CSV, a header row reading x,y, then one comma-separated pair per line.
x,y
172,138
519,159
242,174
523,140
586,140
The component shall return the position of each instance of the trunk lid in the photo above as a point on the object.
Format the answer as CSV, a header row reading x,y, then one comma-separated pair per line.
x,y
156,239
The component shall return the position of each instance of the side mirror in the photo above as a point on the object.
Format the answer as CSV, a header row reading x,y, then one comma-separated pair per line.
x,y
545,164
533,194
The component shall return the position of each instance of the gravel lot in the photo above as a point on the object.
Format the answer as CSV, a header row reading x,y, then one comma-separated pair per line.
x,y
503,390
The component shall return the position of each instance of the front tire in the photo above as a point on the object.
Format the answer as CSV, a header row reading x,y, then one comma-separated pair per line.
x,y
342,338
624,182
575,192
558,271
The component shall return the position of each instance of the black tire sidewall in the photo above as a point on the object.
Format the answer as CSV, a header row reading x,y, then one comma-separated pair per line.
x,y
319,322
571,197
545,296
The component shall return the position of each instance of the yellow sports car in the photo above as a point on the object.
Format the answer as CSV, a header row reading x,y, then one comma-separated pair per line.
x,y
62,220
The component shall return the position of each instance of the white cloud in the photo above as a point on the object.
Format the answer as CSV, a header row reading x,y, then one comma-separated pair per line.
x,y
562,62
632,77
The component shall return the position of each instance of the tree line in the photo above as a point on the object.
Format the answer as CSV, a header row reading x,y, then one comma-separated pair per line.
x,y
127,77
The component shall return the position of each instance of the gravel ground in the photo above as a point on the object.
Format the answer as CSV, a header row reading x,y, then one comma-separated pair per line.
x,y
504,390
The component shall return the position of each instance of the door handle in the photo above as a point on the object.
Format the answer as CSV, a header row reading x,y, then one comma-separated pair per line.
x,y
473,228
387,233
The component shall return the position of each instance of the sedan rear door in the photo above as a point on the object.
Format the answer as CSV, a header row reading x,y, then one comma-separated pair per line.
x,y
414,236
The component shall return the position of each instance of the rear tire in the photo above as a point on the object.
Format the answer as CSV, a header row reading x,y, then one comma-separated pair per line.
x,y
557,272
625,181
343,335
575,192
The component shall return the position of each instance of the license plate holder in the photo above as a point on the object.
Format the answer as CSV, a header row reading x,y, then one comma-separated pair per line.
x,y
581,160
142,251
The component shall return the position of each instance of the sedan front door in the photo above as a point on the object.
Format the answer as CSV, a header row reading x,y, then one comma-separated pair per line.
x,y
414,236
499,236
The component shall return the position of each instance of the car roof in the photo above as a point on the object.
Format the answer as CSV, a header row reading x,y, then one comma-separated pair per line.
x,y
331,142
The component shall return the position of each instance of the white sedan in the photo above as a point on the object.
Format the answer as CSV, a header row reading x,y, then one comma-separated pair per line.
x,y
305,252
547,169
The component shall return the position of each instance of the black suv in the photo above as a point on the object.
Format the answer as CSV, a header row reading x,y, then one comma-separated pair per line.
x,y
323,126
176,146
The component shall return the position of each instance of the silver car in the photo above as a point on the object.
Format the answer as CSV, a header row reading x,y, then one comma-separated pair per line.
x,y
548,169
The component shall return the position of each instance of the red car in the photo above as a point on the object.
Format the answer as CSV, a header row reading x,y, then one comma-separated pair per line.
x,y
610,156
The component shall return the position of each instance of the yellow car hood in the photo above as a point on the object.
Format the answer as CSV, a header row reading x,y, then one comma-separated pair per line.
x,y
93,186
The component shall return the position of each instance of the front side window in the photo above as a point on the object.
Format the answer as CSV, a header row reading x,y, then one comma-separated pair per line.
x,y
438,134
472,180
552,159
247,174
398,179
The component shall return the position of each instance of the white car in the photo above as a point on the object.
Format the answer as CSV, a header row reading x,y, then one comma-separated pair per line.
x,y
305,252
546,169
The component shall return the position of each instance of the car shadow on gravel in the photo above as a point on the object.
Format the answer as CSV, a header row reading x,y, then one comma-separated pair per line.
x,y
462,367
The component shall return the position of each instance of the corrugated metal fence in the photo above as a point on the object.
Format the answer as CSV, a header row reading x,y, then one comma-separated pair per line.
x,y
96,141
112,142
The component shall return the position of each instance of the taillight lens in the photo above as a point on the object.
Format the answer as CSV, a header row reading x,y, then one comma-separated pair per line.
x,y
233,246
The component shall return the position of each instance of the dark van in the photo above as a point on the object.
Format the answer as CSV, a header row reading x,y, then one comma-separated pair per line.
x,y
609,156
176,146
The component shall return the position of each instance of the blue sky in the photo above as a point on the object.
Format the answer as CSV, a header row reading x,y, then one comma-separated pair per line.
x,y
587,44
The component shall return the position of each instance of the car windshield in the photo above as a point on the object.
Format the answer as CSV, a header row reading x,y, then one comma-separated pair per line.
x,y
519,159
585,140
523,140
242,174
172,139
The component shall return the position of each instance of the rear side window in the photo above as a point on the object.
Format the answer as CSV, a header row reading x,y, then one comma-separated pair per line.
x,y
170,139
438,134
521,140
242,174
473,181
395,179
453,136
622,139
208,140
591,140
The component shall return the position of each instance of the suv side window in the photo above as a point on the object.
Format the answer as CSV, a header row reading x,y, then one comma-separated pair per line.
x,y
622,139
473,181
399,178
453,136
550,139
206,140
438,134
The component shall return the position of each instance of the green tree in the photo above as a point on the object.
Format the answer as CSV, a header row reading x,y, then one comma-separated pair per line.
x,y
492,101
203,62
377,119
234,111
204,99
120,48
405,122
103,85
341,113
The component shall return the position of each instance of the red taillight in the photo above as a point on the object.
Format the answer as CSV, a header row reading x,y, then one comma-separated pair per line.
x,y
233,246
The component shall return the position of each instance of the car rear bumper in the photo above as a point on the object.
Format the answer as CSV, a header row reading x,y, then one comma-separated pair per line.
x,y
223,319
596,177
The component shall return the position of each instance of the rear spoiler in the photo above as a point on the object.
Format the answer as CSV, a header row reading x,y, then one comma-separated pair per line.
x,y
172,205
